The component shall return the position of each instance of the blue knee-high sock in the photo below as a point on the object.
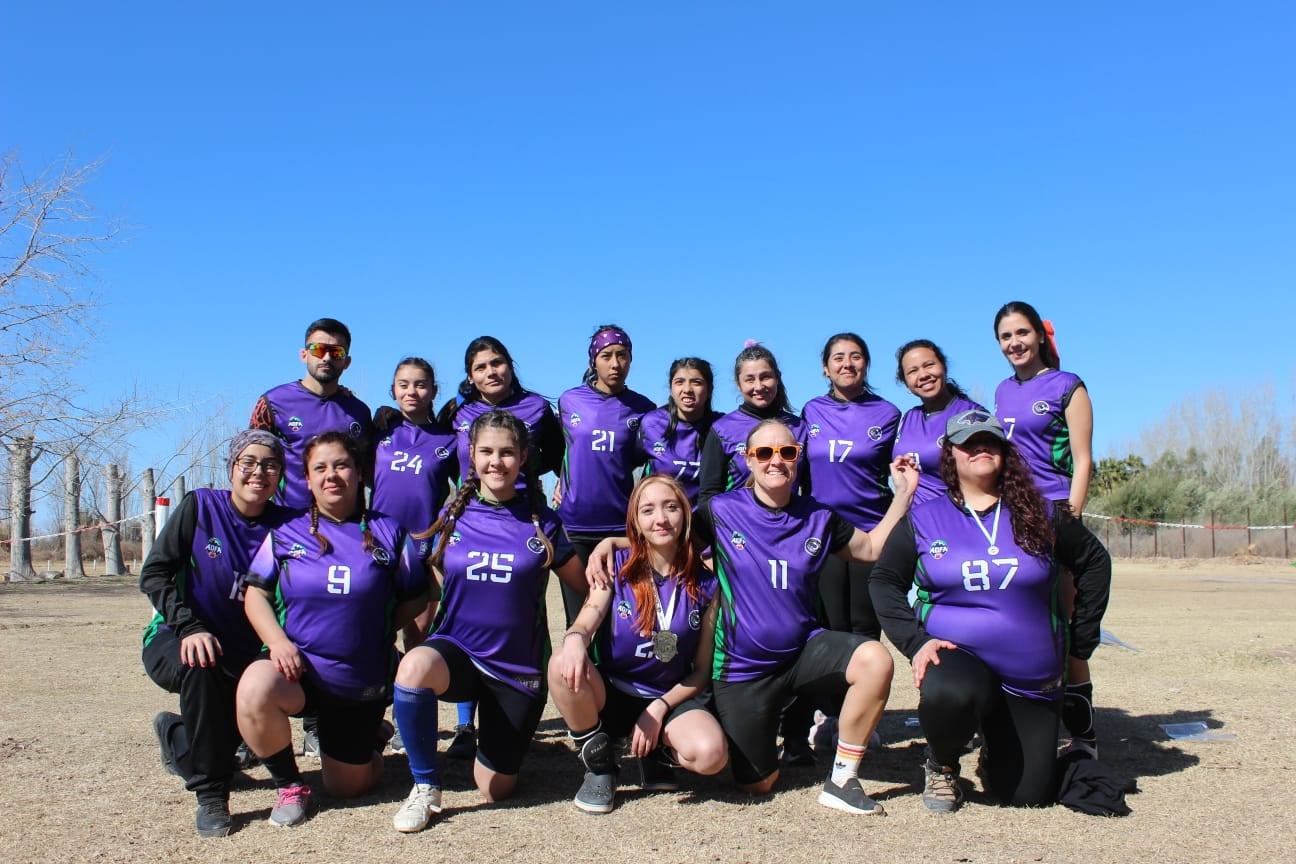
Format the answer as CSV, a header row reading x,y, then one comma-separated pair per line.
x,y
466,712
415,710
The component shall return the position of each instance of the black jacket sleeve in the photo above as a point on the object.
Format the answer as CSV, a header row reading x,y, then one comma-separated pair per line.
x,y
549,438
1077,549
167,560
713,473
889,584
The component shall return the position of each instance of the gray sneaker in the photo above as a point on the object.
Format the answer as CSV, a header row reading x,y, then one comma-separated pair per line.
x,y
941,793
849,798
597,793
213,818
310,744
292,806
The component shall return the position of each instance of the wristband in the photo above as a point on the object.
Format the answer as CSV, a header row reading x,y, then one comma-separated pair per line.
x,y
662,699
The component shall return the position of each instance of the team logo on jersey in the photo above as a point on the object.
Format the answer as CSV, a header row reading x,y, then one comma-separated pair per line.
x,y
295,424
536,545
632,423
814,430
454,538
386,442
442,452
381,555
623,610
940,444
1040,407
574,419
356,429
213,547
875,433
738,540
695,619
938,549
424,548
813,546
296,550
659,448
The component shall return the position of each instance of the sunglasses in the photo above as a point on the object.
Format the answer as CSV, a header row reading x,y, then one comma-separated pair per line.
x,y
248,465
324,349
786,452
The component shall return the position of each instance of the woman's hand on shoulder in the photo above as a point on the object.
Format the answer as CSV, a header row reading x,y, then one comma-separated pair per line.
x,y
600,571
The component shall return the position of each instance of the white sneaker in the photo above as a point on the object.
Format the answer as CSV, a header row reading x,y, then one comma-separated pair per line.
x,y
416,812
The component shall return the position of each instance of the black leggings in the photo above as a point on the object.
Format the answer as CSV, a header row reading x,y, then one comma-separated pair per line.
x,y
845,604
583,545
962,695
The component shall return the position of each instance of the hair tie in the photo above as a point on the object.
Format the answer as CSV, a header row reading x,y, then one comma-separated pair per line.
x,y
751,343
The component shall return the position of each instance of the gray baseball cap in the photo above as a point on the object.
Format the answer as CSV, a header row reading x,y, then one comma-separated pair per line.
x,y
963,426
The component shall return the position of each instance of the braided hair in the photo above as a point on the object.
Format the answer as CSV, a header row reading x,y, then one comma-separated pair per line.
x,y
352,448
444,526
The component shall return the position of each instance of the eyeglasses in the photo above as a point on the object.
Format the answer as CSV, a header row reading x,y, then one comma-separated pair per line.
x,y
247,466
786,452
324,349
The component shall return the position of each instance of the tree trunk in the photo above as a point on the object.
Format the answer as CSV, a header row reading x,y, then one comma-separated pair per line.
x,y
112,530
20,512
72,567
148,525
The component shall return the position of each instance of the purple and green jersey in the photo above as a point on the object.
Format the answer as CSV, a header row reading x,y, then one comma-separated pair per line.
x,y
532,409
625,656
848,455
728,439
921,436
993,600
767,562
413,469
676,454
492,593
296,415
1033,413
597,477
196,574
337,607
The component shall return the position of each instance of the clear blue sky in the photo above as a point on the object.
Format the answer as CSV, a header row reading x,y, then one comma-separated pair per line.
x,y
702,173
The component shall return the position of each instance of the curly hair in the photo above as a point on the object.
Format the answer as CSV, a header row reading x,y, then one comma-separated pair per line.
x,y
1031,526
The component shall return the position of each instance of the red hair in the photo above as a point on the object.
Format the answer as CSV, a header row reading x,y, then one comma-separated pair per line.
x,y
638,574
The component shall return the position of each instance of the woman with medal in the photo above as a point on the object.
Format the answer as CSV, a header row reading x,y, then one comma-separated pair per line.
x,y
653,655
987,646
494,546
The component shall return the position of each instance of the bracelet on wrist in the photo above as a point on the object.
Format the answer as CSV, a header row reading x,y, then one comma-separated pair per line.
x,y
584,640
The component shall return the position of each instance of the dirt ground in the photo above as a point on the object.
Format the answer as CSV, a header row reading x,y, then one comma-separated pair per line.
x,y
80,778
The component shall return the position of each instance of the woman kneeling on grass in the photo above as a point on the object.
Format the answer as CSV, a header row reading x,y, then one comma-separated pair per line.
x,y
494,549
653,655
326,593
986,642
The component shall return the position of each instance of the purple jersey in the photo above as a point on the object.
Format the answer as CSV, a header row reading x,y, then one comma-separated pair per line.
x,y
598,469
492,602
991,599
921,436
530,408
1033,413
625,656
337,606
848,455
413,469
677,455
767,562
297,415
731,433
211,581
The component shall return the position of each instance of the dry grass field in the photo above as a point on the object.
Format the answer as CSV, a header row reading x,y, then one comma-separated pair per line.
x,y
80,778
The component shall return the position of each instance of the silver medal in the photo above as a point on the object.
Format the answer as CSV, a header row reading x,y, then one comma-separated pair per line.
x,y
665,645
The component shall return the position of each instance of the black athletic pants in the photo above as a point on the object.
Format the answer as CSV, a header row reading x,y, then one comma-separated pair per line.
x,y
845,604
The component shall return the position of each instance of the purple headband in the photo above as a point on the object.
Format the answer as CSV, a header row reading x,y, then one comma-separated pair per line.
x,y
606,337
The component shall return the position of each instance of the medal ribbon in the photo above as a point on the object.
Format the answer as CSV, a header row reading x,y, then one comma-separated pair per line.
x,y
666,616
994,530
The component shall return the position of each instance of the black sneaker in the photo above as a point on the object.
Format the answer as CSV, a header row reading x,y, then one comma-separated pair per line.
x,y
164,722
941,792
657,772
849,798
213,818
244,758
464,743
797,751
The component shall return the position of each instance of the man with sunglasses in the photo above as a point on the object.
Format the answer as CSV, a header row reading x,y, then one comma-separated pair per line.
x,y
299,410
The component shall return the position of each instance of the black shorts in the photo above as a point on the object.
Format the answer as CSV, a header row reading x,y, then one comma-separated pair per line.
x,y
506,717
749,710
622,709
348,728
